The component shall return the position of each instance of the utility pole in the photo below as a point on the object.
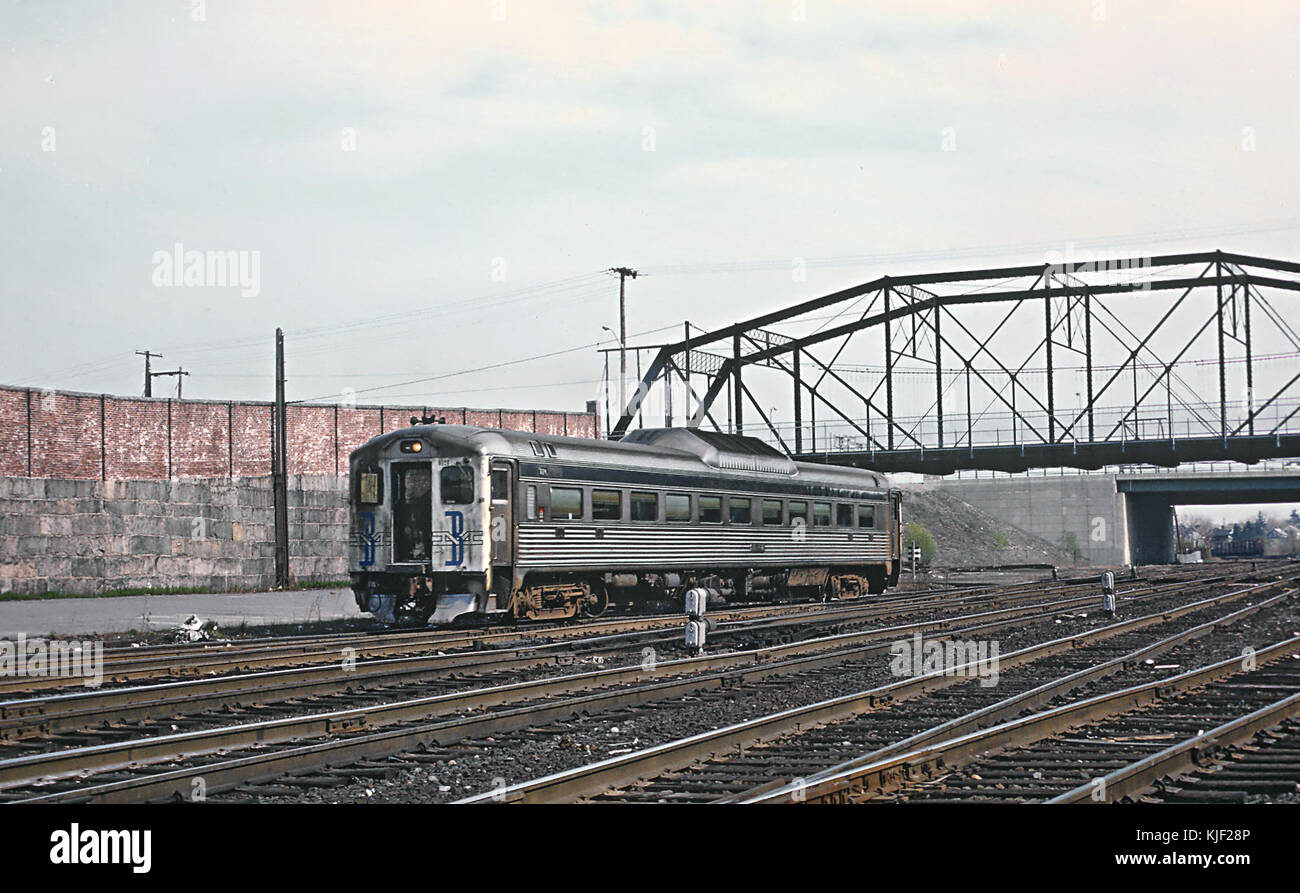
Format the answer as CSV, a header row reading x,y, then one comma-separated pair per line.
x,y
180,376
623,273
279,470
148,379
686,374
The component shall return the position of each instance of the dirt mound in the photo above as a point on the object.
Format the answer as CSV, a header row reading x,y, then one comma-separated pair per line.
x,y
964,535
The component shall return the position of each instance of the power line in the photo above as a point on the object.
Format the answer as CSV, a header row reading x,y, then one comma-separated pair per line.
x,y
1102,242
501,365
178,372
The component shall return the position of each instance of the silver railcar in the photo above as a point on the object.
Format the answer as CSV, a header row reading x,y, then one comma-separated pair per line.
x,y
453,520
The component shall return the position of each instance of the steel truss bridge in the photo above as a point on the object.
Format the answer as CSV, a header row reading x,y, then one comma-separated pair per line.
x,y
1081,363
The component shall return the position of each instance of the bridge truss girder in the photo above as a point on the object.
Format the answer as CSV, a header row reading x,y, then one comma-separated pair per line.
x,y
970,326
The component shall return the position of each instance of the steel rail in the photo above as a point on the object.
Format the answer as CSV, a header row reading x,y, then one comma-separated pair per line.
x,y
1133,779
193,660
262,659
928,762
625,769
1008,707
46,708
285,732
216,658
579,626
27,717
54,764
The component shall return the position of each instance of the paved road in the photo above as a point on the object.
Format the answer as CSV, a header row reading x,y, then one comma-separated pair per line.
x,y
86,616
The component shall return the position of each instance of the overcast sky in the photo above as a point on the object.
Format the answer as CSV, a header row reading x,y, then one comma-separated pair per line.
x,y
438,186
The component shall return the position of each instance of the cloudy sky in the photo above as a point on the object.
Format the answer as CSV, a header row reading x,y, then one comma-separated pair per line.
x,y
431,188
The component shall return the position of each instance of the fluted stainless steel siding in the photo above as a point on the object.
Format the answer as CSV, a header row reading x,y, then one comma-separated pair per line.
x,y
665,546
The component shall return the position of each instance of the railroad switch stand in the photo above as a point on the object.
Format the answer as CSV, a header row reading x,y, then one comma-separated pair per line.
x,y
1108,594
697,625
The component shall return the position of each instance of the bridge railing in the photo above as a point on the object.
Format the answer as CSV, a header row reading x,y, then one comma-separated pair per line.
x,y
867,433
1264,468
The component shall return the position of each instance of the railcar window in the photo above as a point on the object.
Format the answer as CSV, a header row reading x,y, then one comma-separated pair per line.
x,y
821,514
771,511
456,483
711,509
566,503
644,506
843,515
500,485
798,509
866,516
677,506
741,510
606,505
412,511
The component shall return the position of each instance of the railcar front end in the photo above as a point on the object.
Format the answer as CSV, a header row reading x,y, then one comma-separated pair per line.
x,y
419,545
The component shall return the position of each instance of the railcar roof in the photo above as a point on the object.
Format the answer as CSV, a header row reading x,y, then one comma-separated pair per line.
x,y
682,449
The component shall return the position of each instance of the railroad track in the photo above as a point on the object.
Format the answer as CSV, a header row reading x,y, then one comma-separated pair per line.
x,y
208,755
84,710
94,716
787,750
124,666
1085,752
1231,763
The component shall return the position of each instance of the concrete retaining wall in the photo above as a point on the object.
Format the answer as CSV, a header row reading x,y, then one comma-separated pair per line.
x,y
1087,506
93,536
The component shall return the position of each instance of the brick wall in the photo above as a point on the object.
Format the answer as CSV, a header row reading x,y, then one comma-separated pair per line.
x,y
68,436
101,493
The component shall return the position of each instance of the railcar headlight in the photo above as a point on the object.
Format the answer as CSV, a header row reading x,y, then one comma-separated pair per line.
x,y
412,446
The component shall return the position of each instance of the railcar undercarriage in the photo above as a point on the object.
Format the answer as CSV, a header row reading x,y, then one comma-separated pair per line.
x,y
425,598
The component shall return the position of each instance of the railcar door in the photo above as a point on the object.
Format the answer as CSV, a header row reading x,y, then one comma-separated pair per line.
x,y
503,514
412,501
459,517
896,526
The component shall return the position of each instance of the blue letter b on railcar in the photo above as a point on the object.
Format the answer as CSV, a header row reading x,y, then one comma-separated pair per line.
x,y
456,533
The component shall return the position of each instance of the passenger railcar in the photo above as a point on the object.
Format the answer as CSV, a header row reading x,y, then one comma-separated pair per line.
x,y
453,520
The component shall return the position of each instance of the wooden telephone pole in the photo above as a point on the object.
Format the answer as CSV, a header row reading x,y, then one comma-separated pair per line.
x,y
623,273
148,377
279,469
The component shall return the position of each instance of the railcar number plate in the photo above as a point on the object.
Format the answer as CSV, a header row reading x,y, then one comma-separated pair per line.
x,y
369,487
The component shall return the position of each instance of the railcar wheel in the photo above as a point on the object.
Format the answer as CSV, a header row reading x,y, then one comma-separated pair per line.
x,y
598,604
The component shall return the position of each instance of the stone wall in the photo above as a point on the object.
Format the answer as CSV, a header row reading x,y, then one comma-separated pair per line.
x,y
79,536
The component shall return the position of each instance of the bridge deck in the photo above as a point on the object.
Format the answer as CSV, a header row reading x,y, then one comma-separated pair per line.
x,y
1090,456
